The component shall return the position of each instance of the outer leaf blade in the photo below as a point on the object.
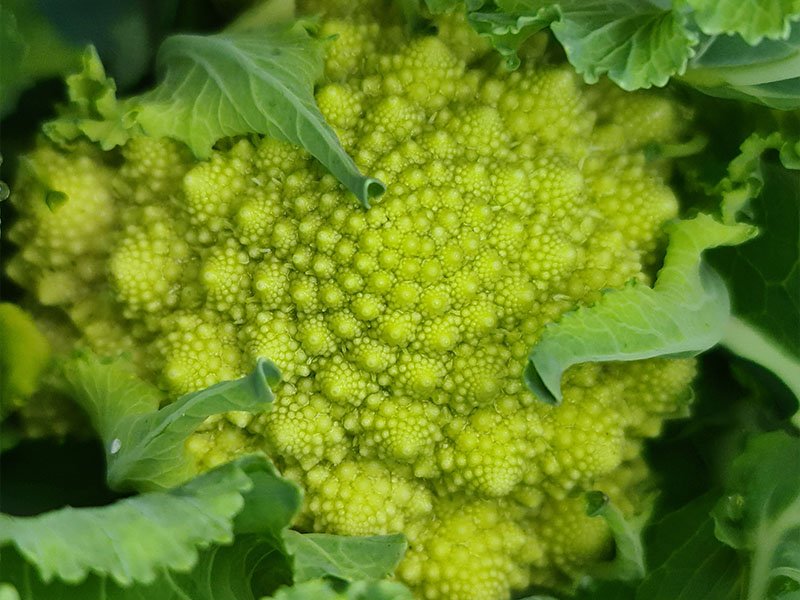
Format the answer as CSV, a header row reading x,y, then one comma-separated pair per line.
x,y
152,453
109,391
752,19
637,43
132,539
683,314
769,73
237,83
348,558
223,573
507,32
255,564
144,446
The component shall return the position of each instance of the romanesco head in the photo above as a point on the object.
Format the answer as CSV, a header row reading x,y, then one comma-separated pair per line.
x,y
401,331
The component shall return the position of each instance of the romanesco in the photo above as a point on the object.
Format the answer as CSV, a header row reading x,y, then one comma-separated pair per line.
x,y
401,331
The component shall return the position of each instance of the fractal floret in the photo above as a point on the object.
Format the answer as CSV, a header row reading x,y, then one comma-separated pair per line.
x,y
401,331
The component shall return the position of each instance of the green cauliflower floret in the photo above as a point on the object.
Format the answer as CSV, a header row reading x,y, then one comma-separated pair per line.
x,y
401,331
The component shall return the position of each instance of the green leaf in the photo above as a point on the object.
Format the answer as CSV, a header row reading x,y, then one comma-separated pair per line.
x,y
253,565
360,590
751,19
628,563
760,512
248,81
684,313
179,543
24,354
508,32
238,83
687,561
641,43
769,73
347,558
222,573
131,540
145,446
270,508
31,49
636,43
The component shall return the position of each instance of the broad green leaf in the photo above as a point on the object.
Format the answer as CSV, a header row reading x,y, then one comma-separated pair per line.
x,y
24,354
270,507
347,558
145,445
751,19
768,73
720,48
109,391
134,538
248,81
253,565
221,573
507,32
239,83
628,563
636,43
360,590
760,512
687,561
31,49
684,313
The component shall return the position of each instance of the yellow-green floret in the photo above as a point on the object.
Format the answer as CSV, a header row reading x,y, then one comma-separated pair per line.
x,y
401,331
